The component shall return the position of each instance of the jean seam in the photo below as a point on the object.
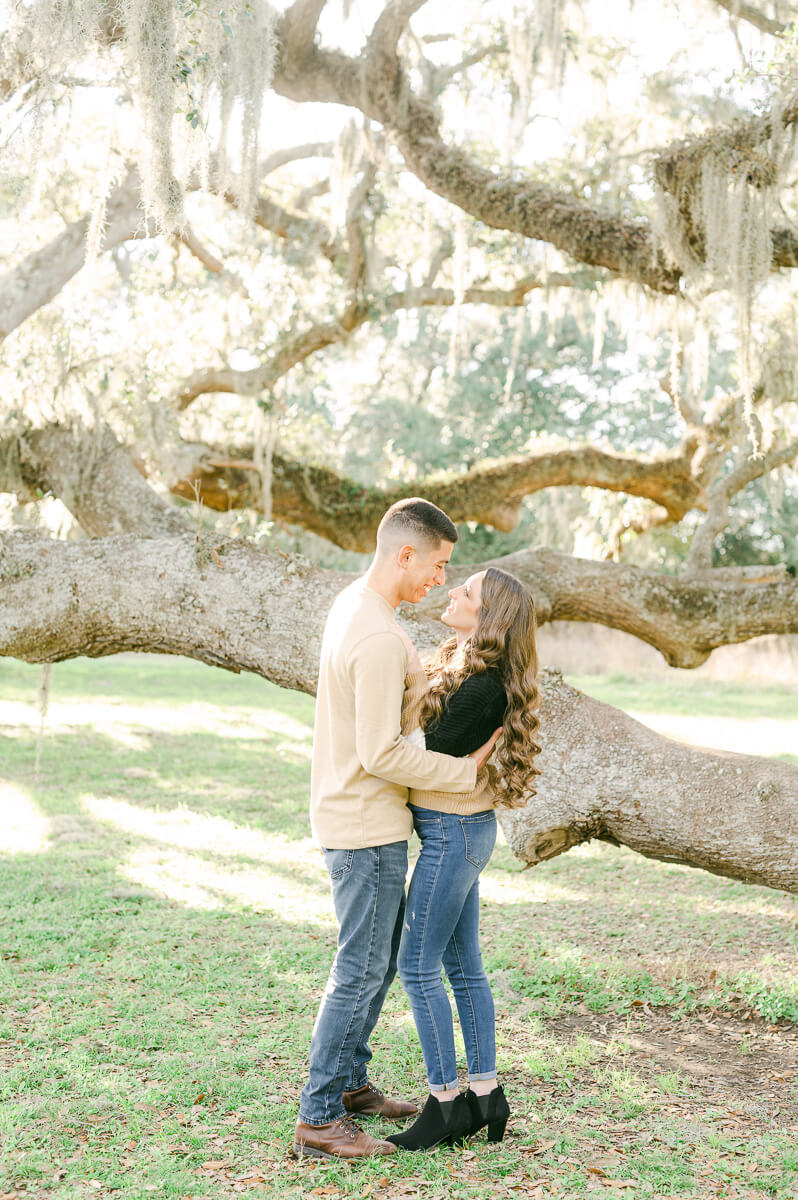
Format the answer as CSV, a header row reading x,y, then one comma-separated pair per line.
x,y
472,1014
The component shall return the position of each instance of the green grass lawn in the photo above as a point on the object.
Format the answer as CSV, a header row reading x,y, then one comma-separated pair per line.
x,y
166,931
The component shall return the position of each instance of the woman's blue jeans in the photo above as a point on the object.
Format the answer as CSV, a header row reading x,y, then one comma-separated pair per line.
x,y
441,928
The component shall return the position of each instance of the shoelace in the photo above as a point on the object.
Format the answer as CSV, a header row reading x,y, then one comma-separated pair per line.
x,y
351,1127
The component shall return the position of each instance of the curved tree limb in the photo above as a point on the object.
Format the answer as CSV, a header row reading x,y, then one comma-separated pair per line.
x,y
356,314
754,16
41,275
720,496
348,514
605,775
227,603
376,84
684,617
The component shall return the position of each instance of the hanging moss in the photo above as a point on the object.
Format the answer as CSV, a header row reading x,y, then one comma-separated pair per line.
x,y
717,200
197,71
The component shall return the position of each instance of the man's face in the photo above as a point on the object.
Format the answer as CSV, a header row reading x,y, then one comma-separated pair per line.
x,y
422,570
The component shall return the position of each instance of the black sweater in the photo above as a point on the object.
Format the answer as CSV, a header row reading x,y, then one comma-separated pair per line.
x,y
470,715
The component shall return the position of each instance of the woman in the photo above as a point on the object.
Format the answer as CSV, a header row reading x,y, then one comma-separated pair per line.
x,y
481,678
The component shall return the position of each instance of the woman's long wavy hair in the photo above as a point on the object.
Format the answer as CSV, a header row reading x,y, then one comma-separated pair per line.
x,y
504,638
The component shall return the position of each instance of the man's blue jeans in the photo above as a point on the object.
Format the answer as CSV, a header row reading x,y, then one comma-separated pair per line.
x,y
442,929
368,888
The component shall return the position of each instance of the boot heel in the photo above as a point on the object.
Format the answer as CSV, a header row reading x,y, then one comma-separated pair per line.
x,y
496,1129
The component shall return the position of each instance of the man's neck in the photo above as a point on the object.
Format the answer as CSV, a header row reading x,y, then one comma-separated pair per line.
x,y
383,583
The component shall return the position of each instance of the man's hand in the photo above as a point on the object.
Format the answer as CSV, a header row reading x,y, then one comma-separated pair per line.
x,y
482,755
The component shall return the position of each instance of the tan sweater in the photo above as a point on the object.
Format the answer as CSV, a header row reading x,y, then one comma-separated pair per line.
x,y
479,799
362,766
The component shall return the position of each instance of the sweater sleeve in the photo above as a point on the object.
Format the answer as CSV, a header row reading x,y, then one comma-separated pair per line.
x,y
471,715
377,670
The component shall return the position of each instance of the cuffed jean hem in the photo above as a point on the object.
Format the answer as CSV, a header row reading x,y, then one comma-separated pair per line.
x,y
318,1124
447,1087
484,1075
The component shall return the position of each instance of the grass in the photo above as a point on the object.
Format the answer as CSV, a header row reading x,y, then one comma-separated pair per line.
x,y
165,936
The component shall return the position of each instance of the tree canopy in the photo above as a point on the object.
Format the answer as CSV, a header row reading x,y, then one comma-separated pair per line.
x,y
267,269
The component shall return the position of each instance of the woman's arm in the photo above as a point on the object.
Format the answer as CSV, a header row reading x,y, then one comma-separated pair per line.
x,y
470,716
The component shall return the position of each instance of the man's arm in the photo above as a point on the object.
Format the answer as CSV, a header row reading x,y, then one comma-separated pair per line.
x,y
377,670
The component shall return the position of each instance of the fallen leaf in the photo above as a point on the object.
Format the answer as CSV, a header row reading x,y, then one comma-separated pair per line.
x,y
469,1154
213,1164
131,1145
620,1183
95,1183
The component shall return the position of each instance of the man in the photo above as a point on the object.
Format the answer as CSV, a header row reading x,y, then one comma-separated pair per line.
x,y
362,769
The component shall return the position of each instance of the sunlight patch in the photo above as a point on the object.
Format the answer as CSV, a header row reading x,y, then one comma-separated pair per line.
x,y
181,827
23,827
198,883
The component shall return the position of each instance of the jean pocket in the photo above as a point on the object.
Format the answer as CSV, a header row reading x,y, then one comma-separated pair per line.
x,y
339,862
479,833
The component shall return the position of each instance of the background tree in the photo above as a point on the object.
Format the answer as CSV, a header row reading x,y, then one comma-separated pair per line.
x,y
463,268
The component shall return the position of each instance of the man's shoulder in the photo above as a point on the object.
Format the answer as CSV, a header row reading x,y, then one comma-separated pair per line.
x,y
359,614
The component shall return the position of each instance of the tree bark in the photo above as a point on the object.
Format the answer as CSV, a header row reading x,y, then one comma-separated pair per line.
x,y
684,617
604,775
346,513
93,475
226,603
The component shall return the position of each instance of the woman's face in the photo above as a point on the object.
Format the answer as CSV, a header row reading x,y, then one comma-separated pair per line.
x,y
461,615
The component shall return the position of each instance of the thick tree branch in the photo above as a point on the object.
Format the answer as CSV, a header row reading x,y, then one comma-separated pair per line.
x,y
94,477
348,514
227,603
684,617
604,775
390,25
298,32
590,235
754,16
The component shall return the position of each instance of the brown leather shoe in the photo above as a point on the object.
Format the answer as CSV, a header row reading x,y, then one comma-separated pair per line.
x,y
338,1139
369,1101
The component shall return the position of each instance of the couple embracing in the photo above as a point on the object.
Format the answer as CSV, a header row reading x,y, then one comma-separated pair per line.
x,y
398,748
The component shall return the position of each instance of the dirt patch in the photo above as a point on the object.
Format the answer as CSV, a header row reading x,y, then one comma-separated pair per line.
x,y
741,1064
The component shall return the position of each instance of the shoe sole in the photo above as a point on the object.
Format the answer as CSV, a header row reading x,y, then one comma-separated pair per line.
x,y
301,1150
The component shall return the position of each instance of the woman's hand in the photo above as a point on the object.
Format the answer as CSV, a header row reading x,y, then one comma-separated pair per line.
x,y
482,755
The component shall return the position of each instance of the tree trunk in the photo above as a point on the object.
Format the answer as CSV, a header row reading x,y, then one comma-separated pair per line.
x,y
227,603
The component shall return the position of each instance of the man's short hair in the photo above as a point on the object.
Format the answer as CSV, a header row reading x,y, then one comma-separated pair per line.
x,y
415,518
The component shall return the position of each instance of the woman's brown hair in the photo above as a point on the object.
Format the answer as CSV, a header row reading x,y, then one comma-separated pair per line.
x,y
504,639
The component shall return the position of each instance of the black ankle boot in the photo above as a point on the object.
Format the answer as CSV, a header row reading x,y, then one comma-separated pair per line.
x,y
491,1110
439,1121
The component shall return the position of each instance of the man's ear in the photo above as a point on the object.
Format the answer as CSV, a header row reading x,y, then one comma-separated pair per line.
x,y
406,556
